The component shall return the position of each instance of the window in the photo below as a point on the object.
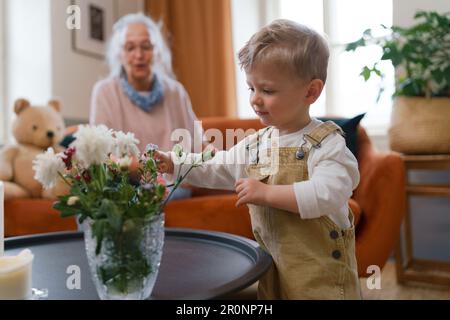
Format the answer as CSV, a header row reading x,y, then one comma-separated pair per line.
x,y
3,109
346,93
349,93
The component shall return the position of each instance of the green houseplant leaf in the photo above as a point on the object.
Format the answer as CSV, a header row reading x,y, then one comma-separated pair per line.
x,y
420,55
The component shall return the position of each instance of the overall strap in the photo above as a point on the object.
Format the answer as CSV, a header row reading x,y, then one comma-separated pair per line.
x,y
318,134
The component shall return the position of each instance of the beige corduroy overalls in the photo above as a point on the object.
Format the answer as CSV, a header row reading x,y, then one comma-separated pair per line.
x,y
312,258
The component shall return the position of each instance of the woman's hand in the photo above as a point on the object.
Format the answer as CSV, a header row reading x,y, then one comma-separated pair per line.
x,y
165,162
251,191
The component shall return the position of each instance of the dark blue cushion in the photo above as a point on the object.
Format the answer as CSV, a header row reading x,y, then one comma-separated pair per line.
x,y
68,139
349,126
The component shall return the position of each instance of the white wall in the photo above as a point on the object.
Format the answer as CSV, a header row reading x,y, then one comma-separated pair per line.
x,y
404,10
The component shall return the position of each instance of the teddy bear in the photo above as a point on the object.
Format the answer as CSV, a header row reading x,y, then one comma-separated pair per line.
x,y
35,129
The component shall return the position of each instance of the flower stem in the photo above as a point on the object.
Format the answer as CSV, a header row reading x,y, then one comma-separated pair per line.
x,y
176,185
64,179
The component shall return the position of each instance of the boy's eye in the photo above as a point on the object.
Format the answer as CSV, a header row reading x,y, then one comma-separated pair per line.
x,y
267,91
251,89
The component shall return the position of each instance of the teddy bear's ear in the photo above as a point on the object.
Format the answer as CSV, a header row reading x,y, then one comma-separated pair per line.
x,y
20,105
55,104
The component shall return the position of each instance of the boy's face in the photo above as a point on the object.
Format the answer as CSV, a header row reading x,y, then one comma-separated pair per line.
x,y
279,98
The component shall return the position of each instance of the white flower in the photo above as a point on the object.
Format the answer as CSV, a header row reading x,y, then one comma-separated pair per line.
x,y
93,144
125,162
179,157
72,200
47,165
125,144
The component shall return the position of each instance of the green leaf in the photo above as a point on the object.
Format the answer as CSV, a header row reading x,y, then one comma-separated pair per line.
x,y
438,75
367,32
109,209
420,14
366,73
390,52
411,88
160,190
66,210
377,71
98,231
354,45
447,74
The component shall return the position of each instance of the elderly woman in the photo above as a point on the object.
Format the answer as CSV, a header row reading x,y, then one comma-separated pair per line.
x,y
141,94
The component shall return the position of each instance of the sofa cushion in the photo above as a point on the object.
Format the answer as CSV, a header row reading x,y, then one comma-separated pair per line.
x,y
356,209
350,128
218,213
30,216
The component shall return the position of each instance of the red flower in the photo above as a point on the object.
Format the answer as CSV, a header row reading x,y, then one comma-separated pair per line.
x,y
86,176
67,157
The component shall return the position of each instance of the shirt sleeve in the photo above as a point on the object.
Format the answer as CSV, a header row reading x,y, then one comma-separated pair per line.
x,y
221,172
100,111
333,175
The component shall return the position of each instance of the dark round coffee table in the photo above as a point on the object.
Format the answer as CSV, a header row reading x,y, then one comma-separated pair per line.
x,y
195,264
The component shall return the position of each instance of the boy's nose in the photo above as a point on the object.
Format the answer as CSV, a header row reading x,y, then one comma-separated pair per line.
x,y
255,100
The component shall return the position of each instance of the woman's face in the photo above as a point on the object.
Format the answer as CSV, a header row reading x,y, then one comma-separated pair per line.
x,y
137,53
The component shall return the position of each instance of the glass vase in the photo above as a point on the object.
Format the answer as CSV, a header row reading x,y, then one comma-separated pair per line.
x,y
126,264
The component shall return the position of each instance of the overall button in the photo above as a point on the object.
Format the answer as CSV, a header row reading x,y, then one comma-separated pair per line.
x,y
334,234
299,155
336,254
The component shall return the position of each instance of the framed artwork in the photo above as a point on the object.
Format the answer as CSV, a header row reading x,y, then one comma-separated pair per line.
x,y
97,19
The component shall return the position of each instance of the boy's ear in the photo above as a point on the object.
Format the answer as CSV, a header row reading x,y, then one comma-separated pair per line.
x,y
314,90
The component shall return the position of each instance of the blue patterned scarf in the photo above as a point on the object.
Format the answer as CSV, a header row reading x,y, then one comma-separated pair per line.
x,y
145,102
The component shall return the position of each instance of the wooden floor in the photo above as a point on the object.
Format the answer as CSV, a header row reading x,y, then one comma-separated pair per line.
x,y
391,290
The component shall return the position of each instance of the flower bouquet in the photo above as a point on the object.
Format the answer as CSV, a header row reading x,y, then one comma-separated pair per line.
x,y
119,197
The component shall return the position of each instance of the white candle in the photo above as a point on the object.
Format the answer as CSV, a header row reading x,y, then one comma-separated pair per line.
x,y
15,276
1,219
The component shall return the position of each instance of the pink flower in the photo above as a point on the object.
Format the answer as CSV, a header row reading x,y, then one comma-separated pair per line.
x,y
160,180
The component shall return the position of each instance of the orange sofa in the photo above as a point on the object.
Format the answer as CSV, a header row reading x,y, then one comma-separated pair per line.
x,y
378,204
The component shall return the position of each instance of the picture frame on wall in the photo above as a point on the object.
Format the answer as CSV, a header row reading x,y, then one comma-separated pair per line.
x,y
97,19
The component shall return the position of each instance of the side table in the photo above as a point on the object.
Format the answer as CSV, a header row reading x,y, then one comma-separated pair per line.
x,y
196,264
408,267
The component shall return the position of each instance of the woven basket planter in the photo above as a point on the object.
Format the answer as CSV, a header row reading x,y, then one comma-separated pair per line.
x,y
420,126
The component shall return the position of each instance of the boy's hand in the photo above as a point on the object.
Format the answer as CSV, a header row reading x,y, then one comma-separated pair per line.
x,y
251,191
165,162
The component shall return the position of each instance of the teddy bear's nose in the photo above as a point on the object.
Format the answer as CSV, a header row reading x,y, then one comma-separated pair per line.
x,y
50,134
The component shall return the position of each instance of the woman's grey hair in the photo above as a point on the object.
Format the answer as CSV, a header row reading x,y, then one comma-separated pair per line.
x,y
162,61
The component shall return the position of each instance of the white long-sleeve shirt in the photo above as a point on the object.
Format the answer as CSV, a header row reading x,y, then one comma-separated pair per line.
x,y
332,169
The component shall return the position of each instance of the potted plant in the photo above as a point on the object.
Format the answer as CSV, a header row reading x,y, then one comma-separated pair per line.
x,y
421,56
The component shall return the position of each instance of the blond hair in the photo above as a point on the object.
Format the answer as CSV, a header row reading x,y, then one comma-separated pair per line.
x,y
288,44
